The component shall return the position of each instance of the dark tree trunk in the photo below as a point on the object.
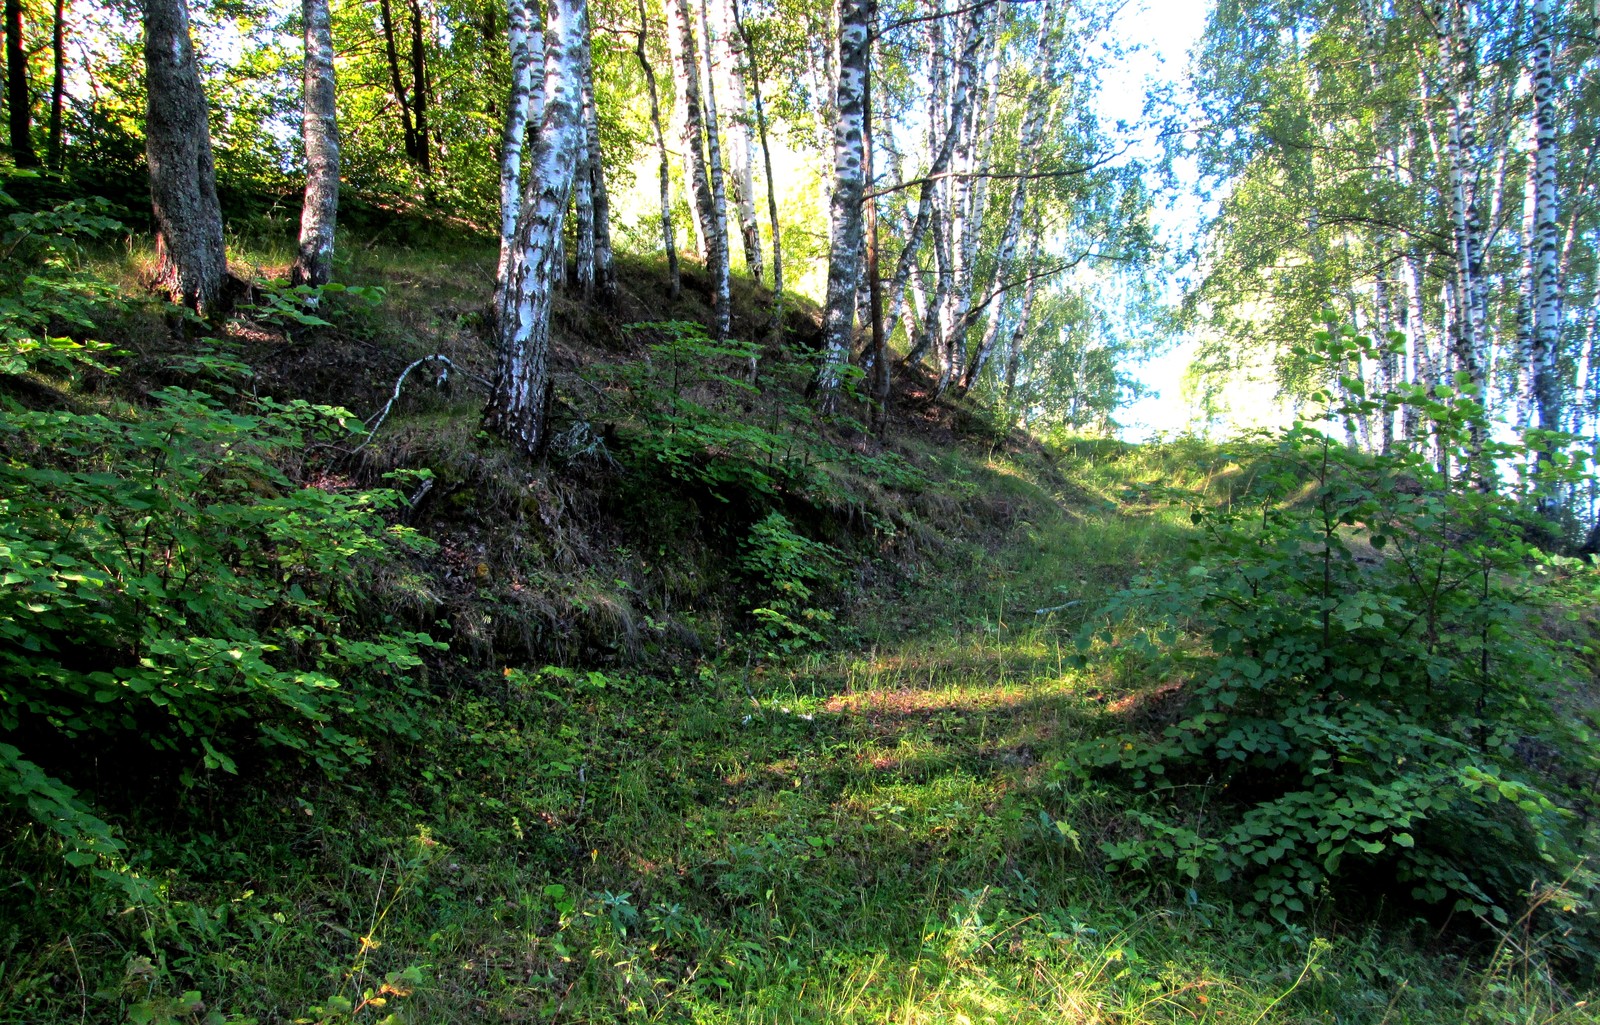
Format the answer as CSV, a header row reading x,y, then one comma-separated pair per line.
x,y
192,263
320,130
58,87
396,82
19,104
419,91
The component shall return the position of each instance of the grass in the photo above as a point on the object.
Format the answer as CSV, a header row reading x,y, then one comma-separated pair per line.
x,y
882,831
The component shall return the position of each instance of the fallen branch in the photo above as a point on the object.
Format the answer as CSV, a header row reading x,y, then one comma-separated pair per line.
x,y
377,419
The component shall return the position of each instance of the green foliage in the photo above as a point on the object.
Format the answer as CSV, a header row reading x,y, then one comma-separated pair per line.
x,y
168,584
788,565
1374,667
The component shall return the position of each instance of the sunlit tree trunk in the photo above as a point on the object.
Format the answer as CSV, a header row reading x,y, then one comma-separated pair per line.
x,y
721,298
845,252
526,43
191,260
320,132
942,143
686,79
1470,336
766,158
669,238
518,405
741,148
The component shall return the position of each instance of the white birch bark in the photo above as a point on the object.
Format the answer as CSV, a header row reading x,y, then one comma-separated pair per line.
x,y
721,297
519,401
741,148
1546,228
669,239
525,58
942,143
694,139
605,266
845,252
320,132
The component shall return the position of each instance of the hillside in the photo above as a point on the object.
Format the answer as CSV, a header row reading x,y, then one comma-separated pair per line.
x,y
727,712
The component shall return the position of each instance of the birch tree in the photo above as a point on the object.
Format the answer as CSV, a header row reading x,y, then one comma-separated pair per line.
x,y
845,252
669,240
518,404
320,132
526,43
1545,243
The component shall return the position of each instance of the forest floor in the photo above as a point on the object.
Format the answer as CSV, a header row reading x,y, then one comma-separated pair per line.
x,y
882,827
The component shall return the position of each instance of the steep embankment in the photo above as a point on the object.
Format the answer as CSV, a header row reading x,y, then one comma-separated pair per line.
x,y
745,717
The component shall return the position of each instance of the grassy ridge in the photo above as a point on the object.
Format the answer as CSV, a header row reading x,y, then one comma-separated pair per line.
x,y
877,829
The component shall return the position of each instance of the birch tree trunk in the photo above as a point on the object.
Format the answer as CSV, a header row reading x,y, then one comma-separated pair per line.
x,y
1472,288
583,208
605,266
942,143
191,261
19,103
766,158
526,43
1038,109
721,299
669,235
1547,229
742,139
518,404
686,78
320,131
845,255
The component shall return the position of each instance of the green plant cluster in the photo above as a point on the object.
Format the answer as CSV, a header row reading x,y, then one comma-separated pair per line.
x,y
168,587
1374,677
787,566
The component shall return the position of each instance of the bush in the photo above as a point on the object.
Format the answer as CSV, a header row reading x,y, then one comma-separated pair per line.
x,y
167,585
1375,665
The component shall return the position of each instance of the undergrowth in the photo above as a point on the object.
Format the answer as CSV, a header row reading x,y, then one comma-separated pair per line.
x,y
780,738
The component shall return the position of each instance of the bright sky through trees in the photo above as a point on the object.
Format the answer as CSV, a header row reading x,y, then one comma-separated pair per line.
x,y
1165,30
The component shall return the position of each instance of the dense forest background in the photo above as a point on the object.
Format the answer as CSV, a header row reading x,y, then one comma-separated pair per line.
x,y
602,511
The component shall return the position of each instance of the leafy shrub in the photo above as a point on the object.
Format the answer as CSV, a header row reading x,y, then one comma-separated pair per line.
x,y
787,565
1375,664
167,584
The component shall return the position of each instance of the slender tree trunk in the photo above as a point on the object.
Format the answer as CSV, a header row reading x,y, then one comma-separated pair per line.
x,y
1547,227
58,86
721,298
882,376
668,234
605,266
845,255
943,143
419,90
320,131
583,210
396,82
1038,109
686,75
775,324
191,260
19,102
1470,334
526,43
519,402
